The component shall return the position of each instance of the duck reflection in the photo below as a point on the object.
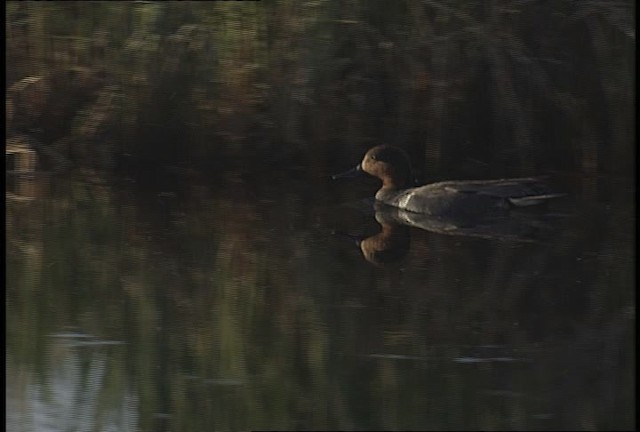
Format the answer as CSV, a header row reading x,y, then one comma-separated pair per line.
x,y
391,244
388,246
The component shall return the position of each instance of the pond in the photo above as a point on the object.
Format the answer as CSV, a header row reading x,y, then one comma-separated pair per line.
x,y
246,304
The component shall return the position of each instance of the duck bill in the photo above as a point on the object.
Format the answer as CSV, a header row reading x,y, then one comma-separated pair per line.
x,y
349,237
353,172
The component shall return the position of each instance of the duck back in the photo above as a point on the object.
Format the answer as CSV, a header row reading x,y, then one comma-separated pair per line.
x,y
457,198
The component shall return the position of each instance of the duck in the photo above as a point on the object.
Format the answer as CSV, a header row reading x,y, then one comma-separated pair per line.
x,y
467,198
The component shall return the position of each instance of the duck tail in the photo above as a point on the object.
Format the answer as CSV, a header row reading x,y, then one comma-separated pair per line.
x,y
533,199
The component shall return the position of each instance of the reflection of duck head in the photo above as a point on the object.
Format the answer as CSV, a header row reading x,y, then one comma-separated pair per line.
x,y
389,245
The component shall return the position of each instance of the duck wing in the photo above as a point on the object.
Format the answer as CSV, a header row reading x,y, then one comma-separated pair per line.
x,y
520,192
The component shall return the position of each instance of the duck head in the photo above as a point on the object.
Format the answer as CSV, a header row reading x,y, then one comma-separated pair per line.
x,y
389,164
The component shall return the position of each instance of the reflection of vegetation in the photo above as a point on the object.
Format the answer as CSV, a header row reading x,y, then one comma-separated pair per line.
x,y
78,392
534,84
236,315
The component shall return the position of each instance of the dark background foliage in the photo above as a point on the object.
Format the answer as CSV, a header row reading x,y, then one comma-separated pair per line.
x,y
497,87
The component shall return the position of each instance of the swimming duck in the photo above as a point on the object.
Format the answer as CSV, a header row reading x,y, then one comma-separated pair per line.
x,y
448,198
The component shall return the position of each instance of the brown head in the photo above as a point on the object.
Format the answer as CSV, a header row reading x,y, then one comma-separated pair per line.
x,y
389,164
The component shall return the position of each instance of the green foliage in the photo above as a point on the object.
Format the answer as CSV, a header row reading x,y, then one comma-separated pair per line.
x,y
516,85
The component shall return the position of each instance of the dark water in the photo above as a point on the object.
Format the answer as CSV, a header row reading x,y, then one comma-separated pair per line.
x,y
238,307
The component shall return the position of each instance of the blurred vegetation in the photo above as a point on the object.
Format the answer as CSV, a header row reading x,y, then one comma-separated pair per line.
x,y
500,87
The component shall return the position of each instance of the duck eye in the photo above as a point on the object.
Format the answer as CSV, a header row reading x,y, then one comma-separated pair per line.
x,y
373,157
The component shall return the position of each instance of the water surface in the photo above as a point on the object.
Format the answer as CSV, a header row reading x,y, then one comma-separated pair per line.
x,y
237,307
